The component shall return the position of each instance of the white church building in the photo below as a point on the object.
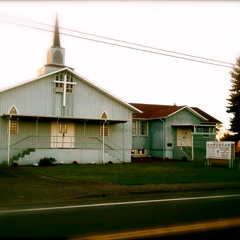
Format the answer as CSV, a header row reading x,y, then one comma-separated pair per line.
x,y
62,115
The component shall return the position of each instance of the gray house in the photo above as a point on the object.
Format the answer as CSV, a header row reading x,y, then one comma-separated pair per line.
x,y
175,132
63,115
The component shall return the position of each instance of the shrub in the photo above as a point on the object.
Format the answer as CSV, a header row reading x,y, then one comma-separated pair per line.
x,y
15,164
46,161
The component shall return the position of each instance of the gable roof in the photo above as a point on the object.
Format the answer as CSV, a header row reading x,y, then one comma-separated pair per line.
x,y
134,109
154,111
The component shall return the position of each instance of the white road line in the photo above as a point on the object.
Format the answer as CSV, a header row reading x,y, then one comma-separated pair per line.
x,y
113,204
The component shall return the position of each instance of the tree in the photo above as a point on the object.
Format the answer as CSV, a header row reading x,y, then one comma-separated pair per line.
x,y
234,100
227,136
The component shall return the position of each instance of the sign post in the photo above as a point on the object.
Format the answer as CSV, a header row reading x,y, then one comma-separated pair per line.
x,y
220,152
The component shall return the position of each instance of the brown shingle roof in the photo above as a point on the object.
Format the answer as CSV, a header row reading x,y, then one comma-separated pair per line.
x,y
206,115
153,111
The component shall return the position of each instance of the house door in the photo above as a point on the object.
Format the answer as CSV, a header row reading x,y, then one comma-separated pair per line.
x,y
62,135
184,137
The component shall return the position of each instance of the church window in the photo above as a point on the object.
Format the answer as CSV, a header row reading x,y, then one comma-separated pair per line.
x,y
13,126
57,57
58,85
106,130
13,110
59,82
104,115
69,88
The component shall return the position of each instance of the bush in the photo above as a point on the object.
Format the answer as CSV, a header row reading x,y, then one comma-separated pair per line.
x,y
46,161
15,164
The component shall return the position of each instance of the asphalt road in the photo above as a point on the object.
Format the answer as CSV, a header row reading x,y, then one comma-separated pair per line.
x,y
141,214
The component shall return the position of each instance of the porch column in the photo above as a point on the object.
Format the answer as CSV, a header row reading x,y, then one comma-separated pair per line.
x,y
103,143
9,140
124,142
36,133
163,137
84,135
192,146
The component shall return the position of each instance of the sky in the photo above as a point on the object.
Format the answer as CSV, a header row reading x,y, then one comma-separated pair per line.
x,y
207,29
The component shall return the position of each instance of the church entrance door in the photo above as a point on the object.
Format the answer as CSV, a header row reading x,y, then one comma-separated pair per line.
x,y
184,137
62,135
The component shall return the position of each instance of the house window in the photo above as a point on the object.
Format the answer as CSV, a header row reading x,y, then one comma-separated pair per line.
x,y
134,127
13,126
106,130
141,151
143,128
206,130
133,151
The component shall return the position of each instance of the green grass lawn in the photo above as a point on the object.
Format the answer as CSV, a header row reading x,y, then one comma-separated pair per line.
x,y
135,173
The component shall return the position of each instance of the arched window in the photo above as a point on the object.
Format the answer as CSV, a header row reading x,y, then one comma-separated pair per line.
x,y
14,123
104,127
13,110
57,57
104,115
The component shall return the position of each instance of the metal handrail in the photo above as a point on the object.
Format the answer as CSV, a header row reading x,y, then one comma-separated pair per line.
x,y
71,141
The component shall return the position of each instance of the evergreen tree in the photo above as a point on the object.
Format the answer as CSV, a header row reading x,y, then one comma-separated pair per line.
x,y
234,100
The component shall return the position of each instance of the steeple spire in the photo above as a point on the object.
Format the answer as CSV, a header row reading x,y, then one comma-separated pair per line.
x,y
56,38
55,55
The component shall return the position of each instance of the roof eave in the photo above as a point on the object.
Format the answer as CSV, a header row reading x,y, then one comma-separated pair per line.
x,y
33,79
134,109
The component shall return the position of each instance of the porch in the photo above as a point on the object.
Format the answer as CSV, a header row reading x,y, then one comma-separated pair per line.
x,y
67,139
190,140
83,150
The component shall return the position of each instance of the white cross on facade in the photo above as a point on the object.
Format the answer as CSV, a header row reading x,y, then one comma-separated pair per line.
x,y
65,83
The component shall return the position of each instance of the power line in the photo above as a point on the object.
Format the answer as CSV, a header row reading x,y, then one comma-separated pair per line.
x,y
126,42
153,51
145,46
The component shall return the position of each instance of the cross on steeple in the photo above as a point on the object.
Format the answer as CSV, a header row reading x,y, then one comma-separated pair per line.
x,y
65,84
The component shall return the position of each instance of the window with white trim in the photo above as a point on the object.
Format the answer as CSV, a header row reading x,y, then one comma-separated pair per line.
x,y
143,128
141,151
206,130
134,127
59,86
14,126
106,130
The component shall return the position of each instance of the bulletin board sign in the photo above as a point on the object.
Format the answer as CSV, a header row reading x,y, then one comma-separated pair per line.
x,y
220,152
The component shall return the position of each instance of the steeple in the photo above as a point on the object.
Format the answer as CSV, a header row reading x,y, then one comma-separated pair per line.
x,y
56,38
55,55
